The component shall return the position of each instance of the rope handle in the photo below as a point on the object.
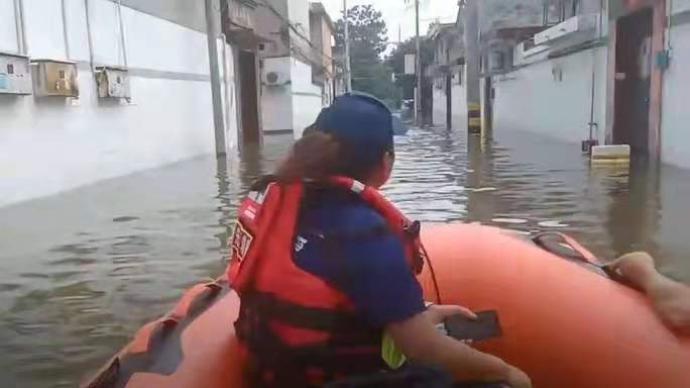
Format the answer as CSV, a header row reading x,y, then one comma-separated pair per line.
x,y
579,253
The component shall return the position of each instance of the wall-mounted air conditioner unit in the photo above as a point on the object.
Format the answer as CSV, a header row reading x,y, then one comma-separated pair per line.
x,y
275,78
113,82
15,74
53,78
574,26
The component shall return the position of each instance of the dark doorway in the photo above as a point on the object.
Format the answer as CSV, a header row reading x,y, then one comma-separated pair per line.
x,y
248,98
427,101
449,102
633,80
488,105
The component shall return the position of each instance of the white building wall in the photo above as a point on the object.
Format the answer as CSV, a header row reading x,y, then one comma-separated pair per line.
x,y
298,14
439,111
307,98
176,48
48,145
229,94
536,98
44,33
276,101
106,31
459,100
8,28
77,36
680,6
292,107
675,132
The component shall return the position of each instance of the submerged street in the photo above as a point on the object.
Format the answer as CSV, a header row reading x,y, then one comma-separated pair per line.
x,y
81,271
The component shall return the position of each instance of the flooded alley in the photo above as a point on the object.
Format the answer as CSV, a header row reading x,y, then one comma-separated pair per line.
x,y
81,271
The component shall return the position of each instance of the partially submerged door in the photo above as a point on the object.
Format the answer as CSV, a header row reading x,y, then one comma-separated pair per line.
x,y
488,105
249,98
633,81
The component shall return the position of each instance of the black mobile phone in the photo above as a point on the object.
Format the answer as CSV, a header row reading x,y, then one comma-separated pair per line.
x,y
487,326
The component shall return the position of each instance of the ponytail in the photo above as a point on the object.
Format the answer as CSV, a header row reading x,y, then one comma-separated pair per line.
x,y
317,156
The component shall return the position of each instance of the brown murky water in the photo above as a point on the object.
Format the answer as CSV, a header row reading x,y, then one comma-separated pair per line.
x,y
81,271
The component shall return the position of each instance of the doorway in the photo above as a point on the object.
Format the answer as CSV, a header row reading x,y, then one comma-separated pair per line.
x,y
449,102
488,105
633,78
249,98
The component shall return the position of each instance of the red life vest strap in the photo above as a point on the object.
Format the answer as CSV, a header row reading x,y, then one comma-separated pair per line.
x,y
311,318
353,347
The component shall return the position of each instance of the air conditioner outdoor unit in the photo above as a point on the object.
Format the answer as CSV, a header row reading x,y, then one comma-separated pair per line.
x,y
54,78
113,82
15,74
275,78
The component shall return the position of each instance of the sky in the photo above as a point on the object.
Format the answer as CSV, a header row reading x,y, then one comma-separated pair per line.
x,y
399,14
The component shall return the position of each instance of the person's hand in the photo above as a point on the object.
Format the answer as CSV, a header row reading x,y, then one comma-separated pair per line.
x,y
437,314
637,267
518,379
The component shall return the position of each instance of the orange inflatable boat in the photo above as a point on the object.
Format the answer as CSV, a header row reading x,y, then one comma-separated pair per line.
x,y
562,322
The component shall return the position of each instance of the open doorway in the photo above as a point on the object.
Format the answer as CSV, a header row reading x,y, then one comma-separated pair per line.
x,y
449,102
633,81
248,98
488,105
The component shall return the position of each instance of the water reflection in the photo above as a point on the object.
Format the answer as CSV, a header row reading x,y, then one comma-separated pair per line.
x,y
80,272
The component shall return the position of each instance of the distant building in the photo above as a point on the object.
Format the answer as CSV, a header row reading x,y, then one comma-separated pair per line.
x,y
291,97
447,73
609,71
240,29
322,38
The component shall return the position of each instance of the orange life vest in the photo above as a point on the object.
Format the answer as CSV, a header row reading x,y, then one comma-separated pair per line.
x,y
299,329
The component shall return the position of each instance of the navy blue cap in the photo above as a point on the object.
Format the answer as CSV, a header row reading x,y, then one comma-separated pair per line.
x,y
363,122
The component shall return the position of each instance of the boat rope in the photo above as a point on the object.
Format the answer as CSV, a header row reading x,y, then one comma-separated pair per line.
x,y
437,290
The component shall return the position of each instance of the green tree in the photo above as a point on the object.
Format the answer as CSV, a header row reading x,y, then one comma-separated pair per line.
x,y
368,42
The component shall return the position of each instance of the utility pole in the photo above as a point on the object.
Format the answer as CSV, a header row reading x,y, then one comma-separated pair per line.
x,y
418,67
348,66
218,112
472,58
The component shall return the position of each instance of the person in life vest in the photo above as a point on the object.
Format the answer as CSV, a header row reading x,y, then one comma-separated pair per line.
x,y
324,265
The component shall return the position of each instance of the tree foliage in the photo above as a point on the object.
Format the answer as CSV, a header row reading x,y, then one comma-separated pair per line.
x,y
368,32
368,42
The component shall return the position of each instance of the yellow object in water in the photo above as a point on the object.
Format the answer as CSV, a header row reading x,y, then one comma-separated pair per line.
x,y
611,154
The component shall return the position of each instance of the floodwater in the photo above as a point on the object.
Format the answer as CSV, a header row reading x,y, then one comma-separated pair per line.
x,y
81,271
